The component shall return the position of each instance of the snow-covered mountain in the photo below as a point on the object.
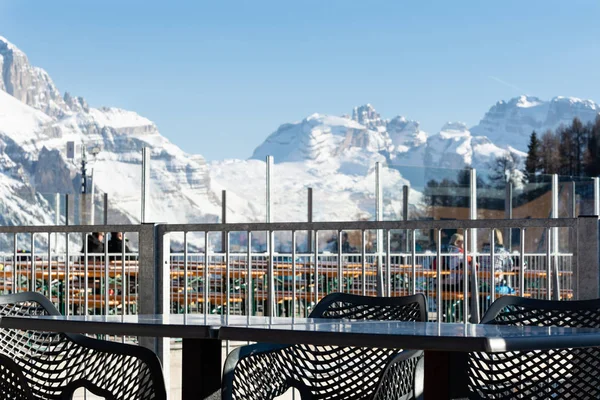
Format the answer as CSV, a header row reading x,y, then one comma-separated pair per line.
x,y
365,138
510,123
36,123
335,155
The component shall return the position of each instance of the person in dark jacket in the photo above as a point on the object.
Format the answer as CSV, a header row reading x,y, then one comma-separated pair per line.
x,y
115,245
95,245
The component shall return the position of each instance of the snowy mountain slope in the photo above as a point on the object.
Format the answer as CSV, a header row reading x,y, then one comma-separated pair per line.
x,y
338,196
511,123
34,118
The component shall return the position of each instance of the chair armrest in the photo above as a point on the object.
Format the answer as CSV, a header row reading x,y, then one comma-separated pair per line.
x,y
238,369
130,361
403,377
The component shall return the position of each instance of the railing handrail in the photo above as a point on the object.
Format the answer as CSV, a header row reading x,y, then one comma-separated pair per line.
x,y
373,225
70,228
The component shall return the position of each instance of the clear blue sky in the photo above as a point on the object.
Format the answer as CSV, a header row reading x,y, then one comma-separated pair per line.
x,y
218,77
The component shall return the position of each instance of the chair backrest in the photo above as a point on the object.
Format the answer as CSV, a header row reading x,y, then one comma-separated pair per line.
x,y
56,364
550,373
355,307
520,311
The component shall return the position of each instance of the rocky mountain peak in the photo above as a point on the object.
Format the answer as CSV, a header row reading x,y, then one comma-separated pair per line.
x,y
455,127
76,103
367,116
31,85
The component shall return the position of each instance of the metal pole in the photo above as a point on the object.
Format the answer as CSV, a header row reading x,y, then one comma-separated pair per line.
x,y
596,196
379,217
268,183
587,274
92,202
473,242
553,234
405,213
269,164
573,200
154,285
105,208
508,212
145,184
67,209
57,209
223,218
310,237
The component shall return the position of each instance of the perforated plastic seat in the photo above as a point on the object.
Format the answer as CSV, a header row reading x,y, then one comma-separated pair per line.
x,y
13,384
56,364
264,371
540,374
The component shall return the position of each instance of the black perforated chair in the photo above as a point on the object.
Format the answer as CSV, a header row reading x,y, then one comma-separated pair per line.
x,y
540,374
265,371
55,365
13,384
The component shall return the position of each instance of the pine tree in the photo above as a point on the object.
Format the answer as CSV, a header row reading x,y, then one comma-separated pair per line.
x,y
533,163
592,151
567,151
579,137
549,153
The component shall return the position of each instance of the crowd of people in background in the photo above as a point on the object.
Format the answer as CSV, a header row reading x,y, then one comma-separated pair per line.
x,y
96,242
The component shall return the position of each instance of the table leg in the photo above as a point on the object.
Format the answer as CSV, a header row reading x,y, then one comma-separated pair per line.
x,y
201,369
445,375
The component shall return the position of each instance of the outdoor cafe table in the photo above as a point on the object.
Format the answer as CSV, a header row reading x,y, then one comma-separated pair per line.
x,y
446,344
202,336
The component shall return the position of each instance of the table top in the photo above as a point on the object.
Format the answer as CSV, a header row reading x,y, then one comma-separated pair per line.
x,y
391,334
162,325
416,335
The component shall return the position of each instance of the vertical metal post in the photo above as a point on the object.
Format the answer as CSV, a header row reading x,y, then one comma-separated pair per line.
x,y
57,209
316,271
310,237
154,279
340,281
388,264
379,217
56,222
473,245
596,196
573,201
473,208
405,189
549,286
250,290
67,209
92,200
586,275
223,217
522,263
508,213
269,163
553,240
105,209
145,184
271,276
268,187
294,301
438,273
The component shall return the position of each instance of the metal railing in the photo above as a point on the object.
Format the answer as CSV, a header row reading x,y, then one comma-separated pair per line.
x,y
290,271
